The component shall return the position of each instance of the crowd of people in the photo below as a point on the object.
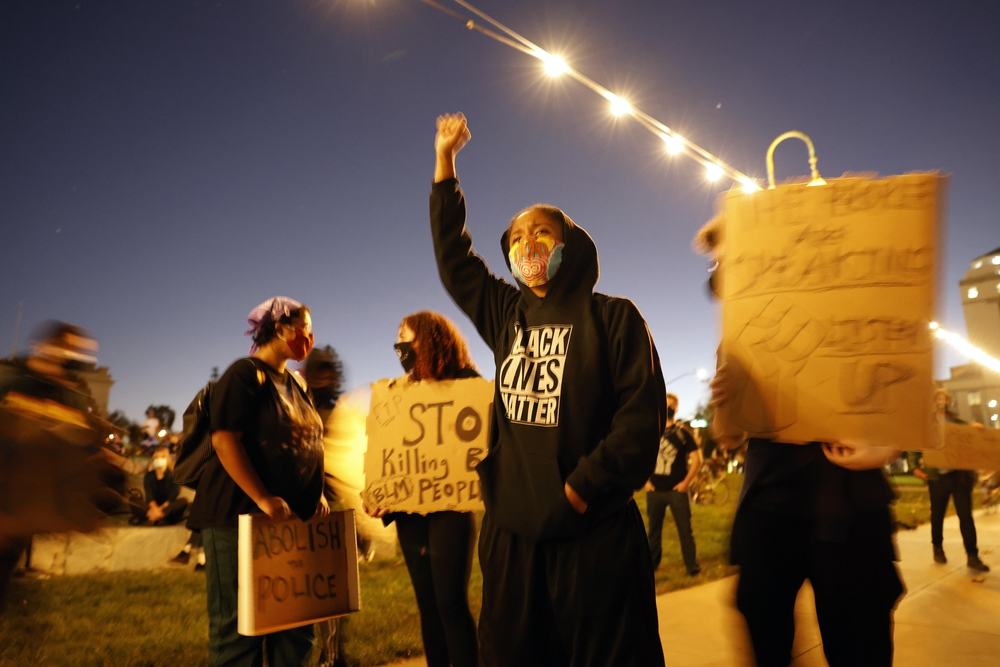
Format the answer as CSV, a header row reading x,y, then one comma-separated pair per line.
x,y
567,562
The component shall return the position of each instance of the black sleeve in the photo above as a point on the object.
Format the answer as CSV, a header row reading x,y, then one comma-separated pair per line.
x,y
484,297
173,490
148,482
690,444
626,457
236,398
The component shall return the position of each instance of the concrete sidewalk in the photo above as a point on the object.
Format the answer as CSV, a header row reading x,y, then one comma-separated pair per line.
x,y
949,615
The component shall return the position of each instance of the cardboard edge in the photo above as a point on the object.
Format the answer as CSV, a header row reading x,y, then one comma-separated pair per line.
x,y
245,612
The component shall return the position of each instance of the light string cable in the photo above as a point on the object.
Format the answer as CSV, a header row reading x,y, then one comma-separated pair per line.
x,y
965,347
715,167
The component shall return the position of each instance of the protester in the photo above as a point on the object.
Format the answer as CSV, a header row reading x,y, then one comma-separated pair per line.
x,y
677,464
567,577
54,474
438,546
943,483
162,505
268,458
819,511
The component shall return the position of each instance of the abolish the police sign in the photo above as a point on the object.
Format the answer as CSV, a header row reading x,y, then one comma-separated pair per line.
x,y
294,573
424,442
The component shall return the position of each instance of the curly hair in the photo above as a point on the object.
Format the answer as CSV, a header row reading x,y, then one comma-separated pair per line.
x,y
441,350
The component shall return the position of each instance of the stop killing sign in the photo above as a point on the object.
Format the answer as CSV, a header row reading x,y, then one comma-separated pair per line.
x,y
294,572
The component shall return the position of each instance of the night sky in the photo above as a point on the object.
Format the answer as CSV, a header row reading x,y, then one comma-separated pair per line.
x,y
167,165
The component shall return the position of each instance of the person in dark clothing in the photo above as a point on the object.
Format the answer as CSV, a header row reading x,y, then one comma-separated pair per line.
x,y
677,464
943,483
578,413
51,460
268,442
817,511
438,546
162,504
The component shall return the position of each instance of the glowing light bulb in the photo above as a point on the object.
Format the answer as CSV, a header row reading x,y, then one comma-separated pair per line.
x,y
162,433
554,65
934,325
749,185
673,143
619,106
713,172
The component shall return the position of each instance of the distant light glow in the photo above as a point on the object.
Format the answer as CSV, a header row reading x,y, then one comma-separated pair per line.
x,y
817,181
674,143
993,403
162,433
701,374
713,172
995,260
554,65
994,417
965,347
698,423
619,106
750,186
973,292
977,265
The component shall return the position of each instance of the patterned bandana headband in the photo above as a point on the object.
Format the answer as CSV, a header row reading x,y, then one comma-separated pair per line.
x,y
271,310
534,262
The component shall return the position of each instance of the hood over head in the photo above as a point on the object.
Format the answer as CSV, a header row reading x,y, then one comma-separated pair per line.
x,y
580,269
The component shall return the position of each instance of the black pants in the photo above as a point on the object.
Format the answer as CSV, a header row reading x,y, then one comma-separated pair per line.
x,y
585,601
438,551
680,507
958,484
855,582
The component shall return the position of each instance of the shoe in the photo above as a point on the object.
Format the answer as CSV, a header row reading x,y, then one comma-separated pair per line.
x,y
181,559
695,572
939,555
200,567
977,565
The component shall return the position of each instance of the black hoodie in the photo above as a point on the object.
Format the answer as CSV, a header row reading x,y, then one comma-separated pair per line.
x,y
579,391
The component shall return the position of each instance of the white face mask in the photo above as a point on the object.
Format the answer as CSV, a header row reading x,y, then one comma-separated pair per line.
x,y
159,463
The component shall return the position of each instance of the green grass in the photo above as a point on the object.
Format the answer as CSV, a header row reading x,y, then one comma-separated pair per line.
x,y
140,619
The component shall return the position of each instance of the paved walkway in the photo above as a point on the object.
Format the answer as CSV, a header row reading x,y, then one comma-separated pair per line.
x,y
949,616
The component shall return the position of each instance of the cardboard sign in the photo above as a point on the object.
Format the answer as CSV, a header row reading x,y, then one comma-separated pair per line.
x,y
966,448
827,296
294,573
424,442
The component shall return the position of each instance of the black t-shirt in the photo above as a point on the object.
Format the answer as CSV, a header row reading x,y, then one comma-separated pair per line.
x,y
672,460
160,490
283,438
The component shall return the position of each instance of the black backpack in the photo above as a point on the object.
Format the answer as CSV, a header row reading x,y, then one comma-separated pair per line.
x,y
195,446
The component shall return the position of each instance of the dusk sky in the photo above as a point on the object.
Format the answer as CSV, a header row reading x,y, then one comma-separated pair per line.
x,y
166,165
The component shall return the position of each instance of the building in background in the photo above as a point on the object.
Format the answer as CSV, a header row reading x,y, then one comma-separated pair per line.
x,y
975,388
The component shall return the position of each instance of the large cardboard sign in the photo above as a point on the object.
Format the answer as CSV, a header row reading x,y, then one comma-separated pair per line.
x,y
294,573
966,448
424,442
827,296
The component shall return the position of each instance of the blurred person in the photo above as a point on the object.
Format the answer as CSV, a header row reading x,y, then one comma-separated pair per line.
x,y
162,504
151,427
438,546
578,413
943,483
677,464
818,511
53,472
268,443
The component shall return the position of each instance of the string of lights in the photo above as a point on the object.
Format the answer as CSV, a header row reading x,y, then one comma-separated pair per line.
x,y
555,66
965,347
675,144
